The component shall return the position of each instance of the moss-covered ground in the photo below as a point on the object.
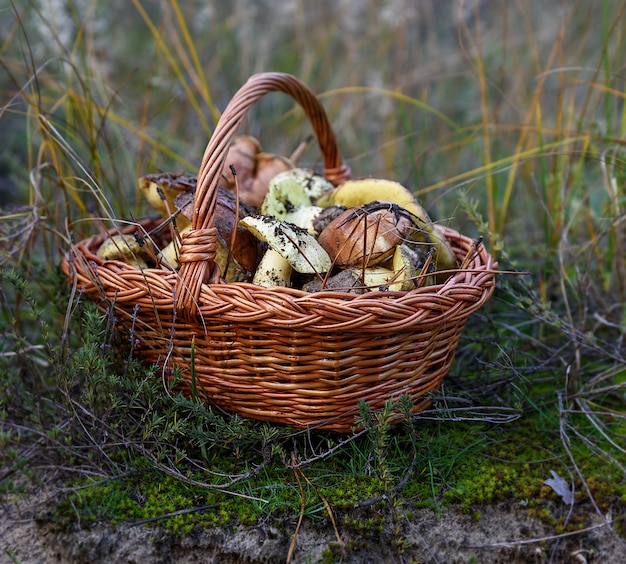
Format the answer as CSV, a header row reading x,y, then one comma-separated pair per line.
x,y
467,465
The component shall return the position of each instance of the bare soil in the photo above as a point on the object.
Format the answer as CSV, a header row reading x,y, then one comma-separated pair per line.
x,y
504,533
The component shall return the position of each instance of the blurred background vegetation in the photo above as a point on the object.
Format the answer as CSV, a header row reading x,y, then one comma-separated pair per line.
x,y
505,118
516,105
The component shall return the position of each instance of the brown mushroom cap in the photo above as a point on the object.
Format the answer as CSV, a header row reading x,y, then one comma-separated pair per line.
x,y
254,169
366,235
242,156
326,216
247,250
268,166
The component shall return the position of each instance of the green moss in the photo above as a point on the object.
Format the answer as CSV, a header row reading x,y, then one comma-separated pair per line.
x,y
345,492
395,470
466,466
484,483
331,554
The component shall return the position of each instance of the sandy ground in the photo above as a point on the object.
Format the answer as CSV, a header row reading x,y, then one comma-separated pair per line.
x,y
505,533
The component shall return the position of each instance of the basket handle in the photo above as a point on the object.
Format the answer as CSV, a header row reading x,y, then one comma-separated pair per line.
x,y
198,245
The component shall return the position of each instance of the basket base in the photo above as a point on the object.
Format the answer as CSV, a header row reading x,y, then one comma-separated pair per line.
x,y
344,422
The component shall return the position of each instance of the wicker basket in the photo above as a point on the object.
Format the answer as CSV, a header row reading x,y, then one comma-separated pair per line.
x,y
279,354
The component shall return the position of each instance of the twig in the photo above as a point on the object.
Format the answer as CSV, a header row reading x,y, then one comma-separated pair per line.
x,y
597,424
174,514
328,452
471,253
297,152
292,544
424,272
220,487
104,480
493,414
565,440
540,539
328,510
599,391
594,447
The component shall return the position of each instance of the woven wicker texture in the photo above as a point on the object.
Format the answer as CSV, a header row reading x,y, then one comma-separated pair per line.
x,y
280,354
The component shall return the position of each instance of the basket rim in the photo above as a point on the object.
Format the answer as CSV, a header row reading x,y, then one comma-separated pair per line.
x,y
484,268
242,304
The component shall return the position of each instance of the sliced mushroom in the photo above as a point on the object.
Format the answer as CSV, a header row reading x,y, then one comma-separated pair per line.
x,y
291,194
314,185
284,195
304,217
290,248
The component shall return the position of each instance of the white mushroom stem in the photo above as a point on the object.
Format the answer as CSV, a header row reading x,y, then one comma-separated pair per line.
x,y
304,217
289,246
273,270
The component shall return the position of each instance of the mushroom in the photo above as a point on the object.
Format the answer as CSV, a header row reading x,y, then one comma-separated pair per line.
x,y
236,264
377,277
290,248
304,217
291,194
253,168
344,281
314,185
285,193
129,248
268,165
326,216
161,190
242,157
354,193
366,235
409,260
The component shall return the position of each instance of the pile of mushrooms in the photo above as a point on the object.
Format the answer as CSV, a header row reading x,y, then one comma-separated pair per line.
x,y
290,227
375,245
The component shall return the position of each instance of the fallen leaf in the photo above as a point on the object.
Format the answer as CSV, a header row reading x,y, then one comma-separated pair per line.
x,y
560,487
